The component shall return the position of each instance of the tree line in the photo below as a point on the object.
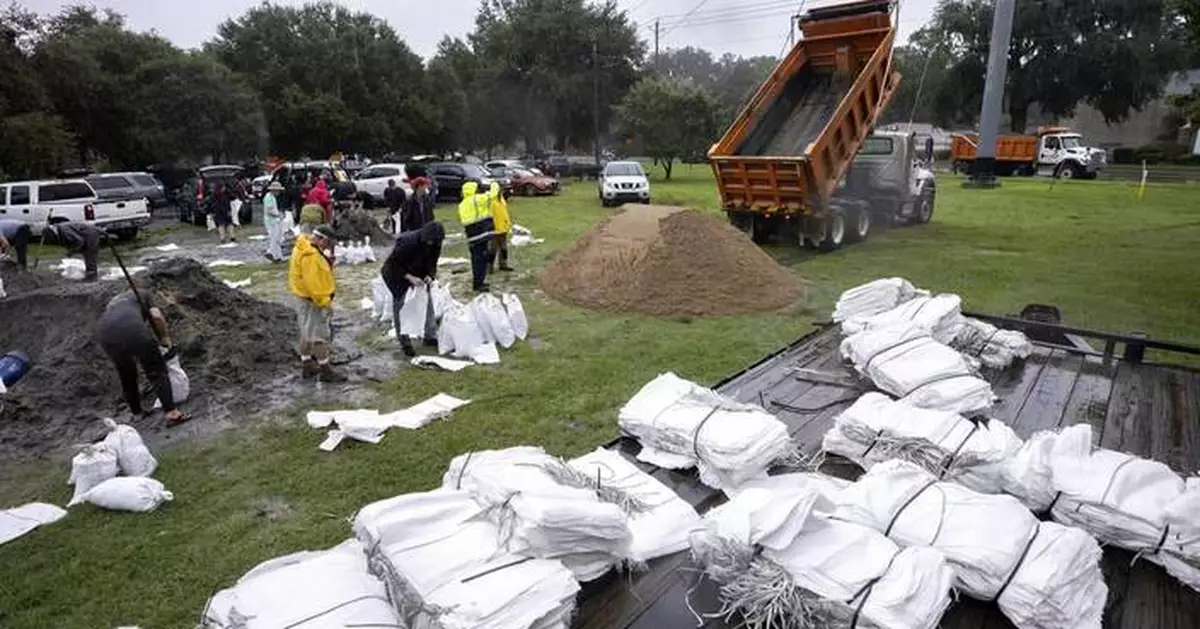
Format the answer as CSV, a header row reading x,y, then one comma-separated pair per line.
x,y
81,88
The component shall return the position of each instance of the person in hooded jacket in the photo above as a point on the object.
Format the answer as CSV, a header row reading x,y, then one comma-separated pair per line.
x,y
413,262
499,242
310,279
475,215
319,195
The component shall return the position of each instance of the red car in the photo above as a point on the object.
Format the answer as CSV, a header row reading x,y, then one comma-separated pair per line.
x,y
528,182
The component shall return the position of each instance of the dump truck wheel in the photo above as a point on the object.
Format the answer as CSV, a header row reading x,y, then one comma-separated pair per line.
x,y
860,225
1067,171
825,233
924,212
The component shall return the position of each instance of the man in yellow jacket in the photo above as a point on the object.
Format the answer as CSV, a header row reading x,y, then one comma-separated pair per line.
x,y
310,279
499,243
475,214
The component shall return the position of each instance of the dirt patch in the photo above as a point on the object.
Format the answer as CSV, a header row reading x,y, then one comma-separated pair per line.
x,y
233,346
663,260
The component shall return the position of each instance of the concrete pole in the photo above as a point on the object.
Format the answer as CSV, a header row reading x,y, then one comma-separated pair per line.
x,y
983,170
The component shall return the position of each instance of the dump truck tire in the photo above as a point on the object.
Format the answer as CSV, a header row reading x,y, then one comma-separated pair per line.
x,y
860,223
825,233
924,210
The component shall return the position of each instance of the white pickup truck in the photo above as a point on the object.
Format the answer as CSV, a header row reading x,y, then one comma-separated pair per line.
x,y
70,200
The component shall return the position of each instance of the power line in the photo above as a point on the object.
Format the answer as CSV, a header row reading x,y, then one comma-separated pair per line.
x,y
727,7
687,15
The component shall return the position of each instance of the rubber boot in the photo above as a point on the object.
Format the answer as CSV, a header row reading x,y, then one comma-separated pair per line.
x,y
329,374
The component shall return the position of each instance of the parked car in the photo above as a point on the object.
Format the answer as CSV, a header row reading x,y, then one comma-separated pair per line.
x,y
502,177
193,197
450,177
583,167
258,186
506,163
622,182
127,186
341,187
373,180
531,182
555,165
41,202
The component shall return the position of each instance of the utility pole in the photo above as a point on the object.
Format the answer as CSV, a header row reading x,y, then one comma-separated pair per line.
x,y
656,68
983,169
596,101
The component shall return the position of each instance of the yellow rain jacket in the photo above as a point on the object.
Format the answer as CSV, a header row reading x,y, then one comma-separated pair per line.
x,y
309,274
500,214
475,211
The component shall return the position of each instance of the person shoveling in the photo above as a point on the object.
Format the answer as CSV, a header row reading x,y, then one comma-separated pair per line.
x,y
82,238
133,331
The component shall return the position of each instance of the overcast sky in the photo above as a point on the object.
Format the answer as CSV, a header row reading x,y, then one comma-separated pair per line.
x,y
745,27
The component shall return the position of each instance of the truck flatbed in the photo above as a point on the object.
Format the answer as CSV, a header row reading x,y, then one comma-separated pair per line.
x,y
1146,409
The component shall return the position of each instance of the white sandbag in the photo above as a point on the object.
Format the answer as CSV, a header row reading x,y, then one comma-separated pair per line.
x,y
662,521
2,293
874,297
209,222
381,301
72,269
494,319
93,465
1127,501
133,457
904,360
440,363
128,493
287,223
235,208
1042,574
464,331
413,312
416,416
940,314
548,510
482,320
440,299
973,453
995,348
445,338
333,585
783,561
516,315
20,520
681,424
181,385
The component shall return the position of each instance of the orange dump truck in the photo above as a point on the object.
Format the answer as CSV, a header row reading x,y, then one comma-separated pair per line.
x,y
780,163
1053,151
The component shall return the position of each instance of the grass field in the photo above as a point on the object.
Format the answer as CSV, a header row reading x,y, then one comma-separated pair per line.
x,y
262,490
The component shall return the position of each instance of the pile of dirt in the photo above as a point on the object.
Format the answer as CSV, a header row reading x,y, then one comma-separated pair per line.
x,y
233,346
662,260
356,225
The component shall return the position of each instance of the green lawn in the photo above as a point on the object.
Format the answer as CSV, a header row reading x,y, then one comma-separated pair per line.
x,y
252,493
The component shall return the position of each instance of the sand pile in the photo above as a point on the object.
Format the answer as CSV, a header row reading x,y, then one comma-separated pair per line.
x,y
669,261
232,346
355,225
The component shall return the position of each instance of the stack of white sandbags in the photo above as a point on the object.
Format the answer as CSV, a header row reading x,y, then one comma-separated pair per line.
x,y
973,453
474,330
813,570
1126,501
681,425
444,565
940,314
1042,574
660,523
94,473
544,508
907,362
874,297
330,588
993,347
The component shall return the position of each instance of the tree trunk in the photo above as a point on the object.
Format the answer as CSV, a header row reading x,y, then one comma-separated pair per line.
x,y
667,163
1019,117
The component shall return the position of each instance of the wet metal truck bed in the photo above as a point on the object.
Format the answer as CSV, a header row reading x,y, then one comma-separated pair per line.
x,y
1150,410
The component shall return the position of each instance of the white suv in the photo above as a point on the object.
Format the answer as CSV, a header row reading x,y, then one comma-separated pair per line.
x,y
373,180
622,182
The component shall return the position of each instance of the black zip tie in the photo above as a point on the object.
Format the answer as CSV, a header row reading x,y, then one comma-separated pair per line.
x,y
865,591
874,442
867,363
896,516
1162,540
1113,478
783,406
1037,528
463,470
985,343
953,455
335,608
1050,509
952,376
913,317
696,433
496,569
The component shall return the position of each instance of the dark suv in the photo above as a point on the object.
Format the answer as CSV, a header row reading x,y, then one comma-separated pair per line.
x,y
126,186
451,176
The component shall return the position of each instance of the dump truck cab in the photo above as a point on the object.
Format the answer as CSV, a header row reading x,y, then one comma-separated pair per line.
x,y
892,175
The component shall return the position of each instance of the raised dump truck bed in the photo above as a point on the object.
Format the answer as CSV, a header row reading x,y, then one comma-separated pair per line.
x,y
1146,409
794,140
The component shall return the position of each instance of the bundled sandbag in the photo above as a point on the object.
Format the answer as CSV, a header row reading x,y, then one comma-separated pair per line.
x,y
516,315
974,453
133,457
493,320
660,523
127,493
1042,574
874,297
443,564
1127,501
993,347
782,561
905,360
93,465
681,425
330,588
546,508
940,314
414,311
